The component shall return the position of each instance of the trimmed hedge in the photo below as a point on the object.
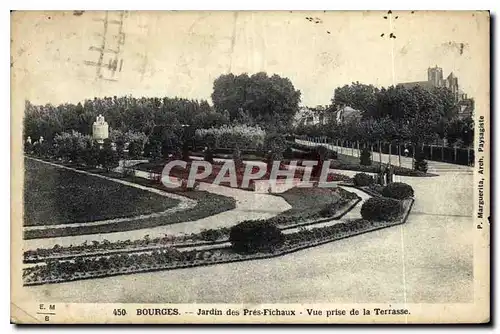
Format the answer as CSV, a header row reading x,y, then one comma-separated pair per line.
x,y
381,209
363,179
255,236
398,190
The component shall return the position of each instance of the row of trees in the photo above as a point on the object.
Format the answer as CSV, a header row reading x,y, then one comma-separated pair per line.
x,y
256,99
168,125
122,113
83,149
415,115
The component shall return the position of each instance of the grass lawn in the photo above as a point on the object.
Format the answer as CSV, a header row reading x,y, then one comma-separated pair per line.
x,y
305,201
56,196
207,205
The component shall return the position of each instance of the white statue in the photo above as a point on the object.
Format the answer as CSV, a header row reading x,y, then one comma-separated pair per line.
x,y
100,129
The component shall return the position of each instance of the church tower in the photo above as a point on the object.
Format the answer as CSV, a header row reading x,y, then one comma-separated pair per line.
x,y
435,76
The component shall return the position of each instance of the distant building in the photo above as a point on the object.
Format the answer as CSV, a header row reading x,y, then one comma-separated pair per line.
x,y
465,107
311,115
435,78
347,114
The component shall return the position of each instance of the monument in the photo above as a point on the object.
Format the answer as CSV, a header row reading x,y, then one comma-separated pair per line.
x,y
100,129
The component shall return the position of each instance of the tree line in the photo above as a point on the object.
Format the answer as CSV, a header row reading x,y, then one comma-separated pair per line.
x,y
404,115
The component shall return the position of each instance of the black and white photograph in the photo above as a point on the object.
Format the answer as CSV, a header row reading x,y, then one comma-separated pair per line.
x,y
250,166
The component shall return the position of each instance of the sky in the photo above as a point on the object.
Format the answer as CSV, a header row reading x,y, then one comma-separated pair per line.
x,y
181,53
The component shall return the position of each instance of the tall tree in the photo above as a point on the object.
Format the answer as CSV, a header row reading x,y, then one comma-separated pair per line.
x,y
358,96
270,101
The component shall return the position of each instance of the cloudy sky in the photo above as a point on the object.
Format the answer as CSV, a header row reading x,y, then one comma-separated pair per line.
x,y
181,53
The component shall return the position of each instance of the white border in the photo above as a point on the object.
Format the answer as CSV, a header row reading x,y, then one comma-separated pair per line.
x,y
185,5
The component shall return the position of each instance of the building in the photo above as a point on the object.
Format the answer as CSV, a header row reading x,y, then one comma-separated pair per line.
x,y
311,115
347,114
435,78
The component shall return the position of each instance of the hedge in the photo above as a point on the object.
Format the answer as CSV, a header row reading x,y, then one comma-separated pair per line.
x,y
398,190
255,236
381,209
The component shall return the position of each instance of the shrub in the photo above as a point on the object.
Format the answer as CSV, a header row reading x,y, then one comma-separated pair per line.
x,y
70,146
154,150
276,144
346,195
381,209
377,188
420,164
91,154
363,179
238,162
255,236
288,153
365,158
185,152
211,235
128,172
108,158
209,155
398,190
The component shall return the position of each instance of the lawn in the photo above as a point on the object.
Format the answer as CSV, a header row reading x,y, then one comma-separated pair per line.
x,y
305,201
57,196
207,205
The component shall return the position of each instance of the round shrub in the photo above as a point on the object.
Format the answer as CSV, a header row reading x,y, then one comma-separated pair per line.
x,y
363,179
254,236
381,209
398,190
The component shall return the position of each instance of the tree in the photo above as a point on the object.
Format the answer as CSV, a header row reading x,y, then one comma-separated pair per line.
x,y
108,158
70,146
270,101
358,96
365,157
209,155
91,154
460,131
275,144
154,150
419,162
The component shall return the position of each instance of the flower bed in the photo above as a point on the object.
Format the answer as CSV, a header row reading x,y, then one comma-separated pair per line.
x,y
205,237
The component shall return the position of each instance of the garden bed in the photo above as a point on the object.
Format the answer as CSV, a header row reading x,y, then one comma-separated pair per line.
x,y
212,237
207,204
57,272
183,173
55,196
